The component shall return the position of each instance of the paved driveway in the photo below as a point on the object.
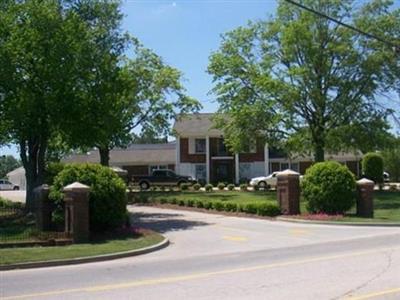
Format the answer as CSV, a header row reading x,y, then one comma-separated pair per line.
x,y
219,257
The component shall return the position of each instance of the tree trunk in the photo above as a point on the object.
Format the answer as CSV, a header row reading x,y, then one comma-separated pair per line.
x,y
104,156
32,154
319,153
318,135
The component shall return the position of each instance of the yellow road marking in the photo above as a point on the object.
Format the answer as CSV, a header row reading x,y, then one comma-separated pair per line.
x,y
376,294
147,282
235,238
298,231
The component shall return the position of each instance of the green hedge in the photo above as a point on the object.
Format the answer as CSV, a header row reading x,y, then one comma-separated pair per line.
x,y
107,197
372,167
328,187
261,209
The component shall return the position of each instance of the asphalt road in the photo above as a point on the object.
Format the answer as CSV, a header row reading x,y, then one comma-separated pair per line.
x,y
219,257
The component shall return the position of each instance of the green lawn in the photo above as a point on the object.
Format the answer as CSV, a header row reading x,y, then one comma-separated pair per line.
x,y
225,196
116,243
387,204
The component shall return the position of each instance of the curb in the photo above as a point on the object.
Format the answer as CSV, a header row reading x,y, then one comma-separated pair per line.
x,y
311,222
81,260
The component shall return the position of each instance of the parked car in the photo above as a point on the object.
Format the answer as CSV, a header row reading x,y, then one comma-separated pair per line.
x,y
6,185
163,178
386,177
269,181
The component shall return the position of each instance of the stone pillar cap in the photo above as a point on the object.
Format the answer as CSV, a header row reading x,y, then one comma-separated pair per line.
x,y
365,181
76,186
288,172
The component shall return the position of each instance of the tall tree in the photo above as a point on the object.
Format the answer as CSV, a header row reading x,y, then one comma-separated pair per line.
x,y
126,93
43,67
301,81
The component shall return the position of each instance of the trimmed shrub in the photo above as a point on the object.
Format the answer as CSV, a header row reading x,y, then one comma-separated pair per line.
x,y
107,197
230,206
163,201
218,205
372,167
256,187
208,205
199,204
328,187
190,203
250,208
173,201
184,186
231,187
208,187
243,187
52,170
181,202
196,186
266,209
221,186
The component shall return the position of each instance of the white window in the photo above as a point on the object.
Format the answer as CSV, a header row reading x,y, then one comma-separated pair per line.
x,y
245,171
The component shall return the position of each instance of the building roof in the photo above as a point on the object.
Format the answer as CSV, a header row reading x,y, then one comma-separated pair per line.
x,y
134,155
200,124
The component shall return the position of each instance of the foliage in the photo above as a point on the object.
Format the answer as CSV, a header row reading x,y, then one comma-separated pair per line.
x,y
7,164
221,186
328,187
372,167
391,162
305,83
184,186
218,205
107,197
243,187
231,187
52,170
208,187
196,186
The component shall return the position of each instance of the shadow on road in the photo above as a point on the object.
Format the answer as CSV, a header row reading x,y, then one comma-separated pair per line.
x,y
163,222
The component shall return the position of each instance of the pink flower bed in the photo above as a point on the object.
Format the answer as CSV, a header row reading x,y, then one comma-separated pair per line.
x,y
318,217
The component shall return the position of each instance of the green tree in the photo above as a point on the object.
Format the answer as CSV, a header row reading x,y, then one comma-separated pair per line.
x,y
301,81
140,92
7,164
149,97
391,161
43,67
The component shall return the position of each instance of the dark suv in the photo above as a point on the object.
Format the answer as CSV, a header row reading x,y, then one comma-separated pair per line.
x,y
163,177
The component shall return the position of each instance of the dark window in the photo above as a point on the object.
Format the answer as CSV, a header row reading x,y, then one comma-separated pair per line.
x,y
221,147
160,173
200,145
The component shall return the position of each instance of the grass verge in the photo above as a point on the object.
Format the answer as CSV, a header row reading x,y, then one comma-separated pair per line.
x,y
107,244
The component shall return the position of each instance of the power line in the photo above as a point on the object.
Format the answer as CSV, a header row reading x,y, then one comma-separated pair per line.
x,y
372,36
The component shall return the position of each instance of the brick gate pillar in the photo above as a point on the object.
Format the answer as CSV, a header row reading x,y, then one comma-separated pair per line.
x,y
288,192
43,207
76,198
365,198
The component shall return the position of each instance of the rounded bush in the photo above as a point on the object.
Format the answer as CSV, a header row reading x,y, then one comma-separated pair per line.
x,y
221,186
328,187
218,205
196,186
231,187
208,187
267,209
184,186
230,206
243,187
51,171
107,196
372,167
256,187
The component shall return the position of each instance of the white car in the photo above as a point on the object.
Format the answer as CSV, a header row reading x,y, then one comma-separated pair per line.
x,y
267,181
6,185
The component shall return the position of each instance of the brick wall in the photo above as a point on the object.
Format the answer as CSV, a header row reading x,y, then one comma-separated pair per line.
x,y
189,158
